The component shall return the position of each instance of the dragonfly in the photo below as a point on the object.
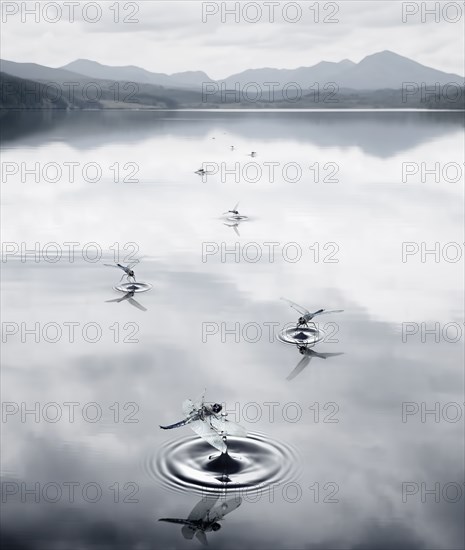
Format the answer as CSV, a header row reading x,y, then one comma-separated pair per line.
x,y
128,271
307,316
234,211
308,354
205,517
208,422
129,296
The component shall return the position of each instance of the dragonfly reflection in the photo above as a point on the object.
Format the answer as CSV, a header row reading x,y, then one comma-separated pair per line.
x,y
129,297
208,422
234,226
307,316
205,517
128,271
308,354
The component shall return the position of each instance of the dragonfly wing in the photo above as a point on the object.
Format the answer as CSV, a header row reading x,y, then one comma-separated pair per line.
x,y
299,368
188,532
326,355
235,208
118,300
136,304
113,265
222,424
188,407
202,508
295,306
202,537
236,230
325,311
224,508
211,436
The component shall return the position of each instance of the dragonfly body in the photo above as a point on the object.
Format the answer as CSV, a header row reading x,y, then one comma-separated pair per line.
x,y
203,414
208,422
307,316
234,211
128,271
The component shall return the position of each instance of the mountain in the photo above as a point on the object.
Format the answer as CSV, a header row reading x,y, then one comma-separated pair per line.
x,y
33,71
131,73
383,70
322,72
375,82
390,70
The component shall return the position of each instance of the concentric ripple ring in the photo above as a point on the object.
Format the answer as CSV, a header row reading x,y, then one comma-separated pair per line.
x,y
133,287
302,336
253,464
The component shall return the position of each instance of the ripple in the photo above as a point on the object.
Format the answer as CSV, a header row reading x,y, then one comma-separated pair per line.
x,y
301,335
133,287
237,218
254,463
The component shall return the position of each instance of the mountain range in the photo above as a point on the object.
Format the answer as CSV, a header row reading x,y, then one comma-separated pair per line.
x,y
382,70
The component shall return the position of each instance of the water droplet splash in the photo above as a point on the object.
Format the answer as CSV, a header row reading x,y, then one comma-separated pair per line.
x,y
302,336
133,287
254,464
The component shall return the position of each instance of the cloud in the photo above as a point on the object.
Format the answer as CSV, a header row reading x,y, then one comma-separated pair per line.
x,y
171,37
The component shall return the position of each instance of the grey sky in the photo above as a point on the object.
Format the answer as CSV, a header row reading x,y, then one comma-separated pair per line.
x,y
171,36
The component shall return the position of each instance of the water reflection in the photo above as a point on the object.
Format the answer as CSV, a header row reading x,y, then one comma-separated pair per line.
x,y
205,517
129,297
234,226
381,134
369,453
308,354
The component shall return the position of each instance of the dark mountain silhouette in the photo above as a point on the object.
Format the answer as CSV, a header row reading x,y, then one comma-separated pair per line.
x,y
131,73
375,82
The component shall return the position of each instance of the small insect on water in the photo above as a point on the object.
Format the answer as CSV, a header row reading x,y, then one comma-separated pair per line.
x,y
234,211
306,316
128,271
208,422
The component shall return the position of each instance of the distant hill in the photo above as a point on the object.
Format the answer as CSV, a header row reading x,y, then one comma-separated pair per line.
x,y
382,70
389,70
376,82
20,93
131,73
55,92
33,71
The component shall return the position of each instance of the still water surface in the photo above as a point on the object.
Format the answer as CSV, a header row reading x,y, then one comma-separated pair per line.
x,y
331,442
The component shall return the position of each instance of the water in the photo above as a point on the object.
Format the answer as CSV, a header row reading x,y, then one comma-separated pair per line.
x,y
329,453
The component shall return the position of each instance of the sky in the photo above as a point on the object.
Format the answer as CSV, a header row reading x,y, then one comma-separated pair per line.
x,y
173,36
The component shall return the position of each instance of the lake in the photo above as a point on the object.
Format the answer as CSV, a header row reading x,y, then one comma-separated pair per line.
x,y
359,211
